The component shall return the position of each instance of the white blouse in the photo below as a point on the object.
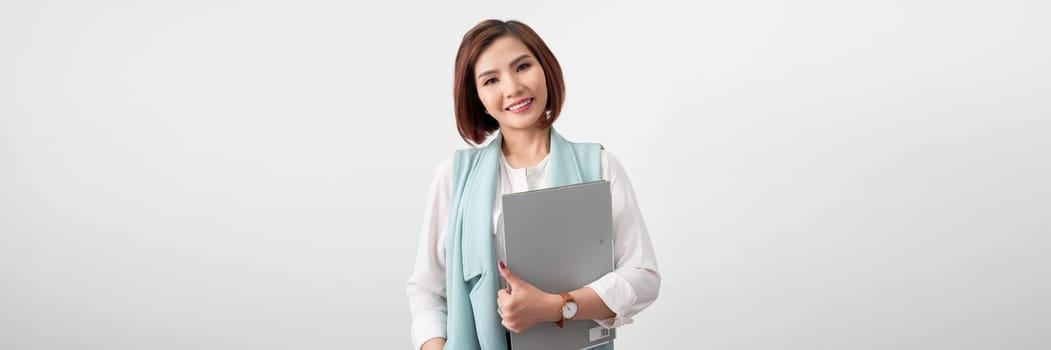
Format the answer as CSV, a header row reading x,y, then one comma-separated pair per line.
x,y
630,288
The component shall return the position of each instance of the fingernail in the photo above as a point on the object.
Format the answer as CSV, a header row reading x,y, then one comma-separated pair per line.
x,y
502,266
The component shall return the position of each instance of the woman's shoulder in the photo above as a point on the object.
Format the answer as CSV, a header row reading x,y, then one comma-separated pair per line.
x,y
443,172
444,168
611,167
447,163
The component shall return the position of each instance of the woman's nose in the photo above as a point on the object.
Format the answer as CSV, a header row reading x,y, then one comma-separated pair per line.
x,y
513,87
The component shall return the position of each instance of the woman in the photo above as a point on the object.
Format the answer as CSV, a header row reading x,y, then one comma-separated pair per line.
x,y
507,80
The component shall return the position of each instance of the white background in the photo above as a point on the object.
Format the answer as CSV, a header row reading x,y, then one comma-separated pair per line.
x,y
252,174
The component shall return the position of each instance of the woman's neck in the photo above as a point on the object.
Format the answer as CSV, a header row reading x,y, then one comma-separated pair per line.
x,y
525,147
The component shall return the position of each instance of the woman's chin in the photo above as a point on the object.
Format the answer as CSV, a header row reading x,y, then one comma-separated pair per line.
x,y
521,123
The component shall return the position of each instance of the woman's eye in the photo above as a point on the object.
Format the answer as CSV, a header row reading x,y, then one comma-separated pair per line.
x,y
523,67
489,81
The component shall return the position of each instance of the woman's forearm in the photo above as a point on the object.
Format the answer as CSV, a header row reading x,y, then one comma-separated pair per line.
x,y
590,306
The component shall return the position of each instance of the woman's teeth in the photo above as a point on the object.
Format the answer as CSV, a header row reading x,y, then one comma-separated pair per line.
x,y
520,105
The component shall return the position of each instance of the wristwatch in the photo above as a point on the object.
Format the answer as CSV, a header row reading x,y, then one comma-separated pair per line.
x,y
569,309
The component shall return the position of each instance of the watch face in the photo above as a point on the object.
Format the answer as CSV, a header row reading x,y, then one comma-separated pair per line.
x,y
569,310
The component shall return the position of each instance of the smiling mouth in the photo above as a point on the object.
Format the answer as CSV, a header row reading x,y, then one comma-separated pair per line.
x,y
521,105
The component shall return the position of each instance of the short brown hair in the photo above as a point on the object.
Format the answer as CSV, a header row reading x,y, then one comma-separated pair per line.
x,y
471,121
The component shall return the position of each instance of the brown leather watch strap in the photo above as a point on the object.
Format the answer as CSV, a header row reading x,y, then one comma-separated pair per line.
x,y
566,298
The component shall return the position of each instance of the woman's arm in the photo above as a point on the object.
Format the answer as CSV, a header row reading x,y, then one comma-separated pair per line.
x,y
635,281
426,286
611,300
522,305
434,344
589,305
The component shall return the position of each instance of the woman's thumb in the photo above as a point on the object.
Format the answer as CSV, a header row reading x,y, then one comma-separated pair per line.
x,y
505,271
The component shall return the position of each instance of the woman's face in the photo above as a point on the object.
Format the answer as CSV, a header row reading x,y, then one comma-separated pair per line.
x,y
511,84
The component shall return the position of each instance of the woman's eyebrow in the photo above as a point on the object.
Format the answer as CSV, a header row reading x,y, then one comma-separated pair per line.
x,y
513,62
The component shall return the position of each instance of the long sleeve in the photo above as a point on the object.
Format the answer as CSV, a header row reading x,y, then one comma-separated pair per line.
x,y
635,281
426,285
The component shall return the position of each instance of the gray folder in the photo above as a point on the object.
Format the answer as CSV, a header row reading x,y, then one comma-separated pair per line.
x,y
560,239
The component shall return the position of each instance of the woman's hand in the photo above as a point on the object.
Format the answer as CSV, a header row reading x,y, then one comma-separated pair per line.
x,y
434,344
522,305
